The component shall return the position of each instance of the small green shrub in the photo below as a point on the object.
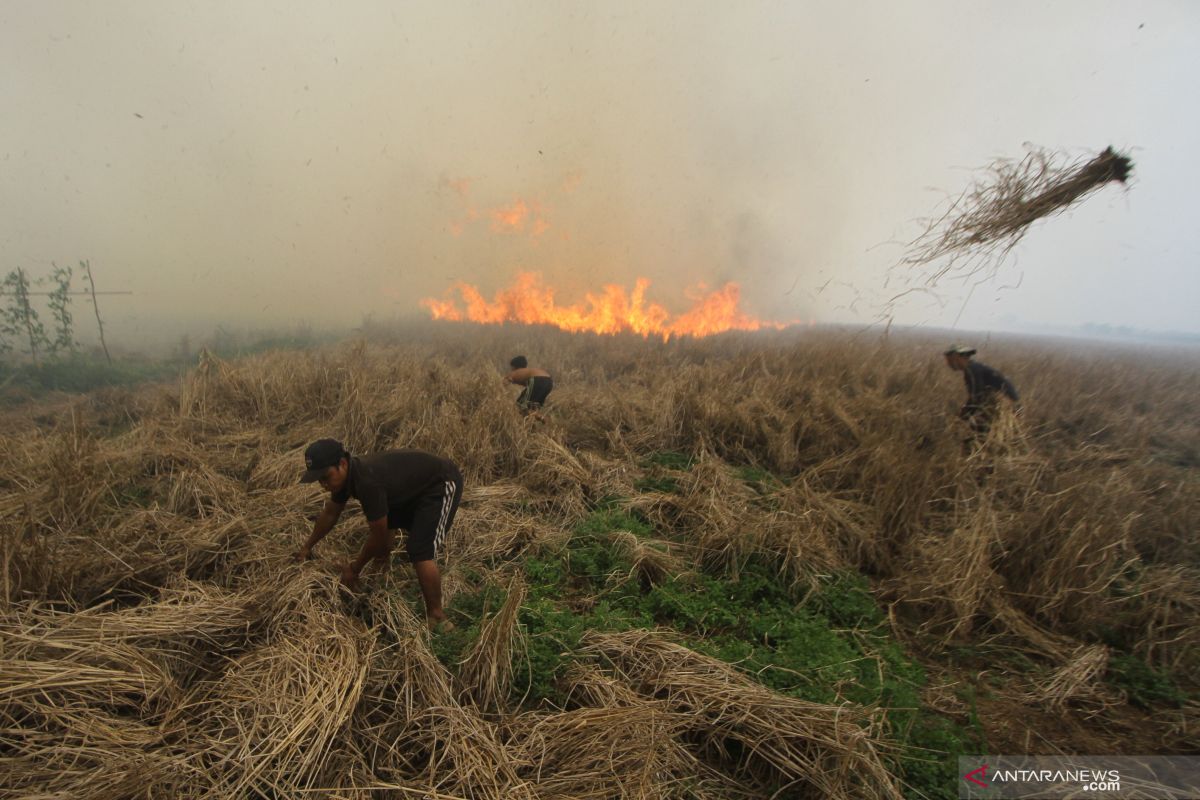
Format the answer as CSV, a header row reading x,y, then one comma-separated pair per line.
x,y
1145,686
661,484
761,479
671,460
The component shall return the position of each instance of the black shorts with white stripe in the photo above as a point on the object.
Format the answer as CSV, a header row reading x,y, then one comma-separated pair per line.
x,y
535,393
428,519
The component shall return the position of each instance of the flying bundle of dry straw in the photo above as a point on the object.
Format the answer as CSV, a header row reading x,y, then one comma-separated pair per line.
x,y
984,223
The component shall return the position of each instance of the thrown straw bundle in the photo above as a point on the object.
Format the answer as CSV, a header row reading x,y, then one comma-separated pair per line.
x,y
990,217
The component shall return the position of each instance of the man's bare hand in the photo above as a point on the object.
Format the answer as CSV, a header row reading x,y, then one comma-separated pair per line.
x,y
350,578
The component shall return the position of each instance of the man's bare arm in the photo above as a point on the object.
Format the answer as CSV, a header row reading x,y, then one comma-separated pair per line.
x,y
378,545
325,521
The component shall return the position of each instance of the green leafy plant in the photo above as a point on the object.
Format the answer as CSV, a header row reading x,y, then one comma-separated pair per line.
x,y
59,302
19,320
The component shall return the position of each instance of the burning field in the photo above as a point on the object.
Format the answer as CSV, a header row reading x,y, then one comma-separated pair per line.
x,y
742,566
529,301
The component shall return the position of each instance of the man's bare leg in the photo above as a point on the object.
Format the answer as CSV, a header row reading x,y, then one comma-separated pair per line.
x,y
430,581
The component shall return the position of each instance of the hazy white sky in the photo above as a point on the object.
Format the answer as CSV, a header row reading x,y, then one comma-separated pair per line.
x,y
269,163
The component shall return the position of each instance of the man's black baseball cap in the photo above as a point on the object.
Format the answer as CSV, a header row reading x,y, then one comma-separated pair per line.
x,y
320,456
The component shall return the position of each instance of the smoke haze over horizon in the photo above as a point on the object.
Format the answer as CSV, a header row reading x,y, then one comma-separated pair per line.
x,y
269,165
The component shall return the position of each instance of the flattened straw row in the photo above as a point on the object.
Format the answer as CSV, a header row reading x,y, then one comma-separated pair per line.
x,y
54,728
487,670
483,533
652,560
712,510
554,470
1163,601
1056,648
590,686
276,719
501,493
185,635
90,772
69,681
950,578
601,753
1078,679
829,530
145,552
833,749
416,725
421,681
276,470
464,755
66,709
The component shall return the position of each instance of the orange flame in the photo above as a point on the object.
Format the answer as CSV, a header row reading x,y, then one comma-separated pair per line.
x,y
613,310
510,218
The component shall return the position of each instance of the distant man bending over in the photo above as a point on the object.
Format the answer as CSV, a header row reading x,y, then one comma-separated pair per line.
x,y
984,387
537,383
399,489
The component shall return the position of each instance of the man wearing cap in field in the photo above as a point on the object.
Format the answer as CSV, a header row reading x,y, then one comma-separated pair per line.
x,y
537,383
984,387
399,489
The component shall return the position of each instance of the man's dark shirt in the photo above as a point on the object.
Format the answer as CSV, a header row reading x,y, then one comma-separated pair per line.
x,y
380,481
983,383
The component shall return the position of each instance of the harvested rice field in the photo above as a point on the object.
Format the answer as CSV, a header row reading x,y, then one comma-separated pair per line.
x,y
748,566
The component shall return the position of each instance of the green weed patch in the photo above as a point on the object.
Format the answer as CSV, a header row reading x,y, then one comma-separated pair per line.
x,y
827,646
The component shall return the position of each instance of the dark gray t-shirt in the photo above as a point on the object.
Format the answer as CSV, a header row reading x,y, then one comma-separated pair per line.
x,y
380,481
984,383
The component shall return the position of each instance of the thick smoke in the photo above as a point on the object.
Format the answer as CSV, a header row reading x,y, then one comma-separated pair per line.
x,y
256,166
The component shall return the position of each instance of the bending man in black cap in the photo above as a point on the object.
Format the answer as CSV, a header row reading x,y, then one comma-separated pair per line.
x,y
407,489
984,387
